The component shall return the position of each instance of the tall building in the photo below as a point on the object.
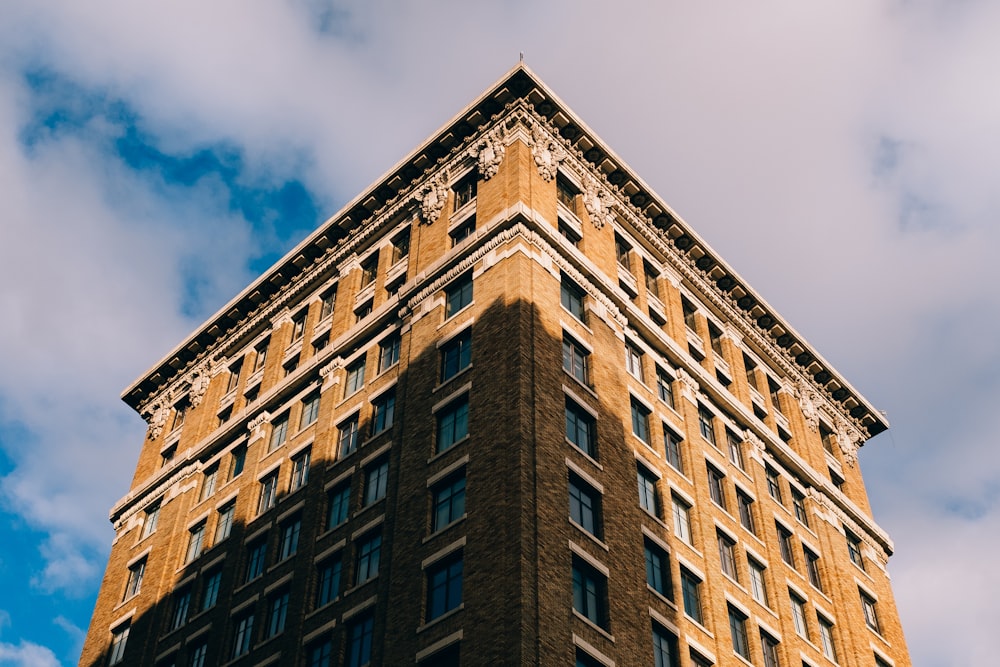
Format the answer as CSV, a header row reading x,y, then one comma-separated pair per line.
x,y
505,408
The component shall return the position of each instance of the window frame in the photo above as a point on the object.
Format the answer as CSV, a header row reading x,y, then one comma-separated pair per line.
x,y
446,496
452,423
590,592
585,505
444,578
458,295
581,428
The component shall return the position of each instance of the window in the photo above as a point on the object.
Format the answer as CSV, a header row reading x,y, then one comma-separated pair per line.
x,y
339,499
182,602
812,568
234,376
575,359
651,276
664,387
239,458
167,455
383,411
682,519
664,647
758,586
279,432
640,421
210,594
196,541
363,311
277,613
826,436
319,654
400,246
750,367
735,449
672,447
465,190
463,231
658,569
727,554
225,524
288,541
566,193
444,586
773,388
369,549
310,410
773,485
119,637
715,338
208,483
151,519
198,655
376,481
799,504
698,660
328,581
571,298
369,269
785,544
879,662
446,657
580,428
633,361
180,412
268,493
854,549
243,635
569,233
689,315
769,645
745,503
300,469
738,632
456,355
716,488
256,555
837,480
826,638
136,572
355,377
590,593
705,424
622,250
799,615
691,592
649,498
359,641
261,356
347,437
448,499
871,614
298,326
458,295
290,365
452,423
585,506
388,353
328,300
320,343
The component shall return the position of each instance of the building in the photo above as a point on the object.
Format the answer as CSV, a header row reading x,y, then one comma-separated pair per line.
x,y
505,408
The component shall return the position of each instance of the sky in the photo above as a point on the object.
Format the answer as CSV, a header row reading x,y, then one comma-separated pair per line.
x,y
843,157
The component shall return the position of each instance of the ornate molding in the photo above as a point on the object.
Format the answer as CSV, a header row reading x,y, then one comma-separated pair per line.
x,y
756,444
880,544
489,152
157,419
433,196
849,439
598,202
808,400
548,153
689,385
200,379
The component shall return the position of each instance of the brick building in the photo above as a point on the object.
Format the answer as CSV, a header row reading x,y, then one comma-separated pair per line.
x,y
505,408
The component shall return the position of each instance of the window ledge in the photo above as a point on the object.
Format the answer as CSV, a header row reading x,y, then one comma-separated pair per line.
x,y
443,529
448,381
607,635
361,585
581,384
451,447
448,614
661,597
593,538
585,455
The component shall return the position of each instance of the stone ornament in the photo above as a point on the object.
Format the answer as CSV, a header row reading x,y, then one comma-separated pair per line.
x,y
598,204
808,400
547,153
433,198
489,152
689,386
849,440
755,443
199,384
157,420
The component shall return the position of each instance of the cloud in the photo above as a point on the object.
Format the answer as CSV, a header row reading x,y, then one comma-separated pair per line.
x,y
26,654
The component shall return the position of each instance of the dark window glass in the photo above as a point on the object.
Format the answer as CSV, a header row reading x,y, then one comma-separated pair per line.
x,y
449,502
458,295
456,355
580,428
585,506
339,499
658,569
444,587
452,423
590,595
691,591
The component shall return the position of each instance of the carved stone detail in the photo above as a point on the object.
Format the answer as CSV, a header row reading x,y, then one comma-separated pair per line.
x,y
157,419
849,439
689,385
808,400
755,443
599,203
547,153
329,373
433,198
258,421
489,152
200,379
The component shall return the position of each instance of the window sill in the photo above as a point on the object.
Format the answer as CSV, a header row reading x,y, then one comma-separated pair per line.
x,y
661,597
607,635
325,606
593,538
448,319
359,586
585,455
443,529
447,381
581,384
451,447
448,614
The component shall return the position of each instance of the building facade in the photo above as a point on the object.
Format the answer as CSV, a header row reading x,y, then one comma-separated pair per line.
x,y
505,408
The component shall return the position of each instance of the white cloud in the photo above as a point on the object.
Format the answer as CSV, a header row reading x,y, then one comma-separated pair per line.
x,y
26,654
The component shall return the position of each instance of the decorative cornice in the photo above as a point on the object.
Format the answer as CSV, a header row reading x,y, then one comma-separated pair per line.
x,y
489,152
200,378
689,385
119,518
880,543
598,202
548,152
433,196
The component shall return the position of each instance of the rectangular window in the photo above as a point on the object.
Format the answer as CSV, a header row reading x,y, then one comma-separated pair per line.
x,y
208,483
339,499
773,484
452,423
376,481
290,365
672,447
388,353
651,276
758,586
826,436
746,511
196,542
444,586
256,556
622,250
799,615
773,388
727,554
837,480
664,647
458,295
738,632
640,421
310,410
456,355
260,358
580,428
691,592
327,303
585,506
769,646
826,637
682,519
785,544
119,638
812,568
210,593
359,641
366,563
633,361
319,654
243,635
569,233
575,359
347,436
151,519
268,493
182,603
300,469
363,311
298,326
449,503
167,455
571,297
689,315
799,504
328,581
706,424
383,411
320,343
715,338
716,487
658,569
590,593
566,193
355,377
180,412
277,614
279,432
871,614
238,461
735,449
224,526
136,572
649,498
854,549
665,387
288,542
465,190
400,246
369,269
198,655
751,374
463,231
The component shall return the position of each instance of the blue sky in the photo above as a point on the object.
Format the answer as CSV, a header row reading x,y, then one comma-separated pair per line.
x,y
841,156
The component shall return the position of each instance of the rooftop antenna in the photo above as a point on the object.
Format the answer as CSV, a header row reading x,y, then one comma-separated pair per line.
x,y
522,56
